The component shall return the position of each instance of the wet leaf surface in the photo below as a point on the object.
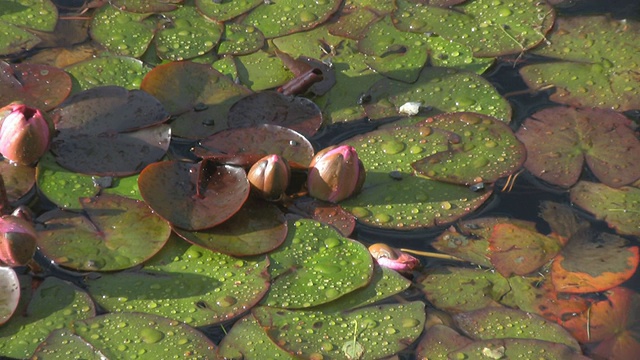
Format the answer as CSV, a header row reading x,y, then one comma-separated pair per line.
x,y
239,39
187,283
316,265
18,16
147,6
261,71
440,340
327,213
107,70
18,179
223,11
401,324
122,32
112,233
598,69
110,131
41,86
62,342
9,293
515,348
560,139
248,340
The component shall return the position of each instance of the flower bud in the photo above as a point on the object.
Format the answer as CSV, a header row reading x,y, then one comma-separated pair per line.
x,y
335,173
393,258
269,177
17,240
24,134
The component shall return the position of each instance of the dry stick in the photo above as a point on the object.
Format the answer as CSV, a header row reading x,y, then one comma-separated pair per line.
x,y
432,255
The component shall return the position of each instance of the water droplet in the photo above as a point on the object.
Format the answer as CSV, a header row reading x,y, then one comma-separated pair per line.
x,y
151,336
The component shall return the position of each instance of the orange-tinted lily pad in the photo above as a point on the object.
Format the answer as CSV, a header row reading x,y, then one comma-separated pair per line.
x,y
560,139
40,86
592,262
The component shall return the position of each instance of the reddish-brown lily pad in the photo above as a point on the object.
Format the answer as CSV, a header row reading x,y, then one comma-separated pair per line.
x,y
297,113
110,131
560,139
18,179
261,140
194,196
196,95
325,212
41,86
112,233
592,262
258,227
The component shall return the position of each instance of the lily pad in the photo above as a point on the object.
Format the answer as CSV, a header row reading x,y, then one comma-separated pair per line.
x,y
332,335
598,71
294,112
516,348
261,139
110,131
194,196
61,186
441,89
10,290
239,39
257,228
14,39
560,139
439,341
18,179
223,11
19,15
248,340
41,86
112,233
592,262
146,6
62,342
122,32
146,334
187,283
107,70
316,265
261,71
286,16
54,305
618,207
196,95
511,27
327,213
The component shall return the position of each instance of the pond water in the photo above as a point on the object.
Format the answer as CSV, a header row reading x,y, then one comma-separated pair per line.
x,y
521,199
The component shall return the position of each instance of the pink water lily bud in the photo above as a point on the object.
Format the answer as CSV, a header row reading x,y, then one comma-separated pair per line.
x,y
24,134
17,240
269,177
335,173
393,258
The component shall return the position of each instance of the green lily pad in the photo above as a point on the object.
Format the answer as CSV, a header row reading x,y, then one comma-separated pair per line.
x,y
516,348
460,289
510,27
107,70
147,334
618,207
598,71
112,233
257,228
325,212
439,341
18,179
316,265
41,15
501,323
54,305
239,39
194,196
9,293
122,32
284,17
353,21
146,6
378,331
261,71
62,342
225,10
226,65
442,89
13,39
560,139
187,283
187,35
479,149
248,340
41,86
61,186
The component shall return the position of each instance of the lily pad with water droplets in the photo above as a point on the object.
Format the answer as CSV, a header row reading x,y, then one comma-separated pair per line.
x,y
248,340
110,131
41,86
560,139
187,283
107,70
516,348
122,32
14,39
261,71
112,233
618,207
146,6
62,342
19,15
225,10
325,212
9,293
239,39
316,265
380,331
54,305
194,196
440,340
599,68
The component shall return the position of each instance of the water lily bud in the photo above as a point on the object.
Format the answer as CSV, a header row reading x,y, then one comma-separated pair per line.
x,y
335,173
393,258
17,240
24,134
269,177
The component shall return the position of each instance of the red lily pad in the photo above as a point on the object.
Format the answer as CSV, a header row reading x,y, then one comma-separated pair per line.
x,y
592,262
9,293
110,131
194,196
41,86
197,96
297,113
560,139
257,228
618,207
260,140
112,233
520,251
